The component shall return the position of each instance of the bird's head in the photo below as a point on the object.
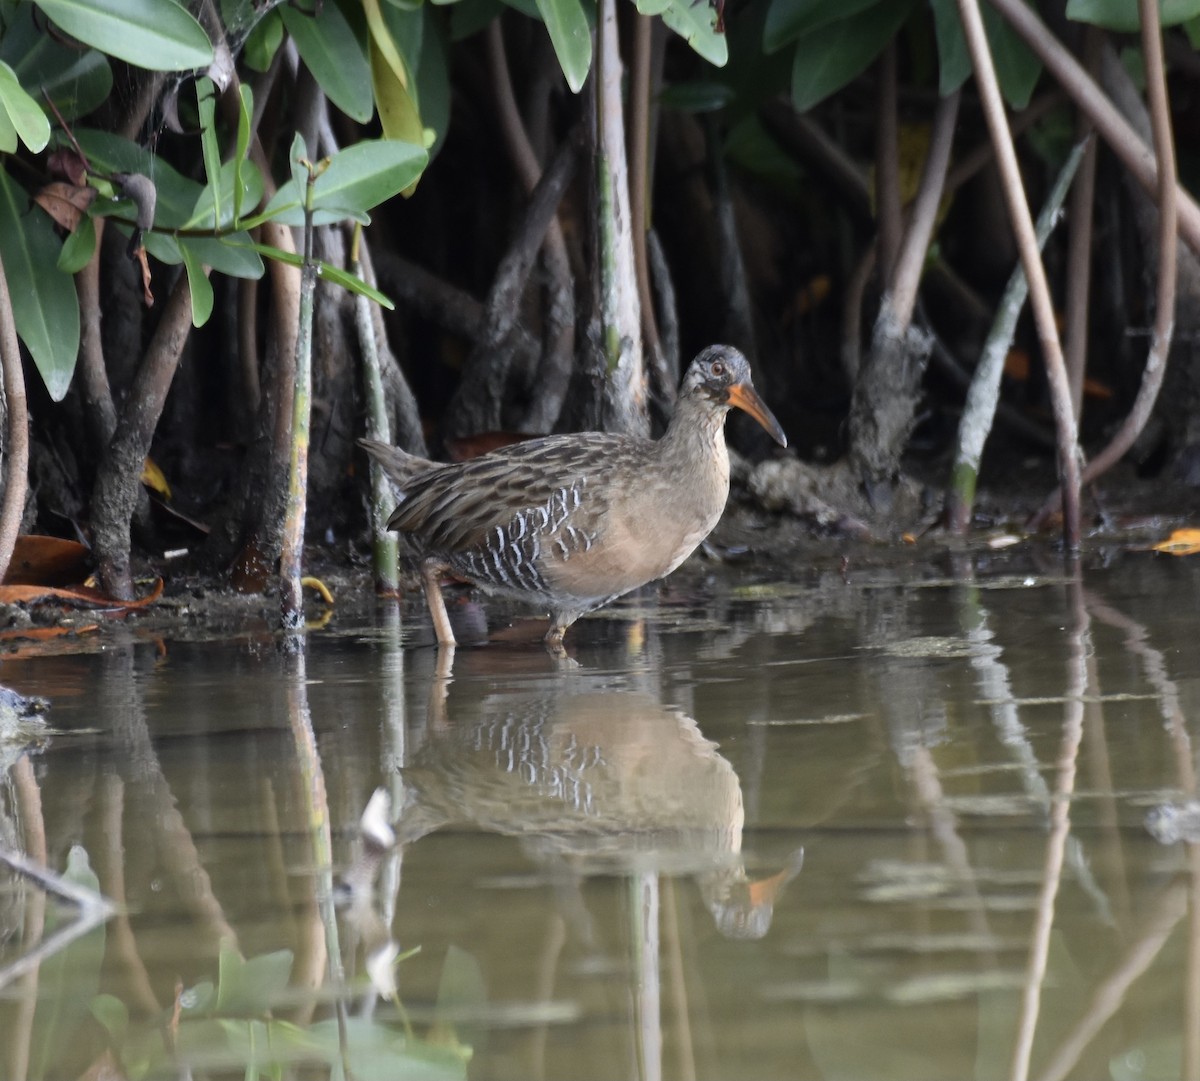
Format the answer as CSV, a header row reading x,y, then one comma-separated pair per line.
x,y
720,374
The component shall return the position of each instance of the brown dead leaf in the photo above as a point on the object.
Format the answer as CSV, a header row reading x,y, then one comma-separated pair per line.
x,y
139,253
75,596
65,203
47,561
1183,542
44,634
69,164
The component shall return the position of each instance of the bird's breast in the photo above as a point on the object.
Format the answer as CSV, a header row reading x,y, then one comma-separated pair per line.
x,y
651,524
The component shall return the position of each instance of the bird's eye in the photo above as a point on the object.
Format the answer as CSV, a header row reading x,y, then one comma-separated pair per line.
x,y
717,368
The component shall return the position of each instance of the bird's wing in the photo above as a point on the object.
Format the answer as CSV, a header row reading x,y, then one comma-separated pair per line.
x,y
455,507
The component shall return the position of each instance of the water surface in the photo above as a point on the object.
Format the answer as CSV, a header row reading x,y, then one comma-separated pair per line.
x,y
879,824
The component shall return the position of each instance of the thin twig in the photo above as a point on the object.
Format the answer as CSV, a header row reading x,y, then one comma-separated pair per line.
x,y
1039,289
910,259
887,163
1112,127
1168,206
1079,244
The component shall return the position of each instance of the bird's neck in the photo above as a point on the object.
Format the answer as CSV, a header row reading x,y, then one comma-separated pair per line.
x,y
695,437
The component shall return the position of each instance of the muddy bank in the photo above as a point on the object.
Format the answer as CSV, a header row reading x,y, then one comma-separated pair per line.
x,y
765,536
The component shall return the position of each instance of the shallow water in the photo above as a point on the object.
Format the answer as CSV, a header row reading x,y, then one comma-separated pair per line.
x,y
888,823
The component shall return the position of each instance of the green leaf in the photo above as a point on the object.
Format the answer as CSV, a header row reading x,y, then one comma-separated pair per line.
x,y
25,114
227,255
398,114
752,148
206,104
204,216
381,38
358,178
264,41
433,81
76,82
335,57
328,272
113,1015
1016,66
365,174
696,24
8,134
199,286
253,987
419,38
45,306
698,96
297,156
789,19
528,8
158,35
1122,15
571,37
79,247
245,118
828,58
468,17
164,247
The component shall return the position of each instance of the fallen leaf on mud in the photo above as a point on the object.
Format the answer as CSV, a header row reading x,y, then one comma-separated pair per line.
x,y
47,561
38,643
153,478
75,596
45,634
1183,542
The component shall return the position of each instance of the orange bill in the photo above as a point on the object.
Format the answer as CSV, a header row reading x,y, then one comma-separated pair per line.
x,y
745,397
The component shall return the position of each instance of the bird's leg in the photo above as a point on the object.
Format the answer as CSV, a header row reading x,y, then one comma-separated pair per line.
x,y
431,573
559,622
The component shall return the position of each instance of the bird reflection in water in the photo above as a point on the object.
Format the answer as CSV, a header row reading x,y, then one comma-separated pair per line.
x,y
598,782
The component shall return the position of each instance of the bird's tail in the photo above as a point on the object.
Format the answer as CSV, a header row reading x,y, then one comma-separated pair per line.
x,y
399,466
